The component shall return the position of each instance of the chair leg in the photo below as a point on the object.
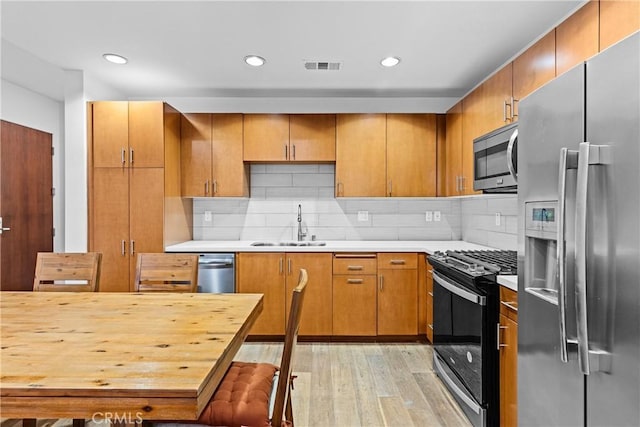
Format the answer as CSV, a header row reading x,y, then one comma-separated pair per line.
x,y
77,422
288,411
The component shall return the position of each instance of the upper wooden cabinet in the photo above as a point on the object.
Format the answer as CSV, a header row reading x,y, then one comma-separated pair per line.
x,y
411,155
577,37
453,157
618,19
497,102
361,155
109,121
211,156
266,137
535,67
312,137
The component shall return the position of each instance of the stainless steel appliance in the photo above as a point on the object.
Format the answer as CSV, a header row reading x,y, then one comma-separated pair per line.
x,y
578,241
216,273
496,160
465,322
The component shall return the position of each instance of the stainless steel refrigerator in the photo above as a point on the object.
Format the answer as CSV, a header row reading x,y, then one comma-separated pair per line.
x,y
579,245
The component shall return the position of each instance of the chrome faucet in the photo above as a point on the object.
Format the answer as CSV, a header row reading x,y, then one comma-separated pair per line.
x,y
301,234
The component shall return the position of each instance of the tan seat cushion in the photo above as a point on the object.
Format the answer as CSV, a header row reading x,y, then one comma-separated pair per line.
x,y
242,398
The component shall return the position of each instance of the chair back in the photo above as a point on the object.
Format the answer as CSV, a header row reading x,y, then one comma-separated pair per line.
x,y
67,272
290,340
166,272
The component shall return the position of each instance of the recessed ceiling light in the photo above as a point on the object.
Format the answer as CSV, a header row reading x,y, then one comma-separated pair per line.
x,y
390,61
254,60
116,59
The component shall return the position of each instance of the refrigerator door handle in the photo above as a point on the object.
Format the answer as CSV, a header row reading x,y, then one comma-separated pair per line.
x,y
588,155
568,160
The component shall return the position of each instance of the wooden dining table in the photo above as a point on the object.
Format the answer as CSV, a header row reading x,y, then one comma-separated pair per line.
x,y
154,356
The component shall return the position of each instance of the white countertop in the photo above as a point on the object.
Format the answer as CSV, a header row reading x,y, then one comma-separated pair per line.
x,y
510,282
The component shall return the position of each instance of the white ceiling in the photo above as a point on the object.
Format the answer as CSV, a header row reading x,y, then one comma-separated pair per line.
x,y
196,48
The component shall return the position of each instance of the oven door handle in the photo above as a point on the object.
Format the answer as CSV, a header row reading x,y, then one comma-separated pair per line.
x,y
463,293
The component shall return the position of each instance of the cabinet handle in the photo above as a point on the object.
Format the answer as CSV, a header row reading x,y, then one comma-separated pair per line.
x,y
397,262
289,265
510,305
355,280
381,282
215,187
206,187
131,156
462,178
498,333
354,267
390,187
123,247
430,294
281,266
294,151
430,325
133,247
122,158
504,111
286,152
513,108
338,185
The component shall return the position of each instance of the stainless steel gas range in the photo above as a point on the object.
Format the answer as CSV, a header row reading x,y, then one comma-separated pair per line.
x,y
465,322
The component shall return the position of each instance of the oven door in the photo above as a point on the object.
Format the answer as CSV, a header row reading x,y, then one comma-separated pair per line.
x,y
459,314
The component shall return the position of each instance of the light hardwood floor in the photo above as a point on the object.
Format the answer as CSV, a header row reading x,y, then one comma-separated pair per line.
x,y
356,384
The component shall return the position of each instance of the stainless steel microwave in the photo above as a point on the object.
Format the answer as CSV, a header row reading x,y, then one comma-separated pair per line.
x,y
496,160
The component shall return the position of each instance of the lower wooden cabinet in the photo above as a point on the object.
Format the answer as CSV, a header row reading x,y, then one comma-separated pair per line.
x,y
508,358
397,294
429,285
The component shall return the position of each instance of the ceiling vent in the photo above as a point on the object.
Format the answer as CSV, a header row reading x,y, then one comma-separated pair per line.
x,y
322,65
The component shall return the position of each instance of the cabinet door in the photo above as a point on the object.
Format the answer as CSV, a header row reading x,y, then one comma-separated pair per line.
x,y
146,134
110,226
534,67
453,156
266,137
508,372
577,37
360,155
429,283
495,91
354,305
618,19
411,155
316,313
312,137
195,155
230,174
397,302
473,116
263,273
110,133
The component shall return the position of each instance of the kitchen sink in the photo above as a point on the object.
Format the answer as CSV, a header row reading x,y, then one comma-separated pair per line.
x,y
292,243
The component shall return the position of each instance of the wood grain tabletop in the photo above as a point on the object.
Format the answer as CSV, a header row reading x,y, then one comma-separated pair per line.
x,y
148,356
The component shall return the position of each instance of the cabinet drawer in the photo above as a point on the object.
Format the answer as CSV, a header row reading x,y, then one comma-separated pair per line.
x,y
509,303
398,260
344,264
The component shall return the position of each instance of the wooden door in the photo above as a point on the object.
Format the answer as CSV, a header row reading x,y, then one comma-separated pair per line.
x,y
109,224
508,372
472,118
354,305
429,283
26,203
196,155
495,91
146,134
398,302
618,19
110,133
266,137
230,174
411,155
312,137
453,156
577,37
361,155
316,313
263,273
534,67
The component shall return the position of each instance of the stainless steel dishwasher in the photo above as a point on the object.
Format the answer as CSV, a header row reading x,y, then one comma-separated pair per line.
x,y
216,273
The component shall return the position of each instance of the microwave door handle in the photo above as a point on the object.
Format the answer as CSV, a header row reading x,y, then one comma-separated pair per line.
x,y
510,162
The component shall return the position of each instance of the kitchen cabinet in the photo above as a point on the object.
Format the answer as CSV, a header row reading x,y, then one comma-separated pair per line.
x,y
133,207
458,168
266,137
533,68
354,294
312,137
361,155
618,19
577,37
429,308
397,294
508,356
276,275
411,155
496,105
212,156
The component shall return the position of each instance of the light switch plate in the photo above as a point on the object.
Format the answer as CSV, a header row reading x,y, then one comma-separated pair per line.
x,y
428,216
436,216
363,215
498,218
207,216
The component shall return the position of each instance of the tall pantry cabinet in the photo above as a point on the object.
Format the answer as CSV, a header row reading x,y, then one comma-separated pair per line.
x,y
134,185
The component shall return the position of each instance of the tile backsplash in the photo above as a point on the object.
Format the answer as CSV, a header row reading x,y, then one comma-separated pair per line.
x,y
277,190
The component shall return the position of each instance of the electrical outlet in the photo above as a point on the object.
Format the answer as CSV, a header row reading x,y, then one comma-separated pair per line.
x,y
436,216
363,215
498,218
428,216
207,216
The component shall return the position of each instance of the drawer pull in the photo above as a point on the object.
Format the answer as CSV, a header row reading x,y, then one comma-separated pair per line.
x,y
355,281
430,326
430,294
510,305
354,267
397,262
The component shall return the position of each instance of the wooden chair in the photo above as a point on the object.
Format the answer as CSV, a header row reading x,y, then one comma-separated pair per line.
x,y
245,395
67,272
166,272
